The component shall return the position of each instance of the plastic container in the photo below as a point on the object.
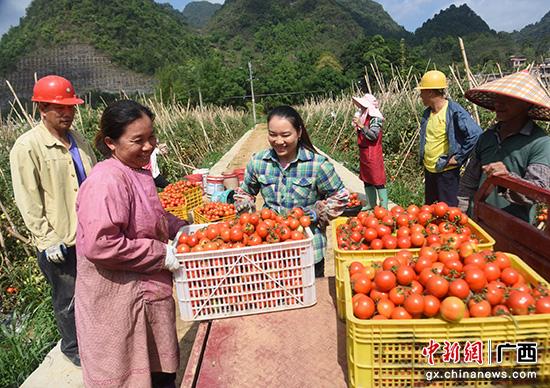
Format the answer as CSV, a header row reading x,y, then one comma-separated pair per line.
x,y
343,258
204,173
195,178
388,353
240,174
223,196
251,280
213,184
230,180
179,211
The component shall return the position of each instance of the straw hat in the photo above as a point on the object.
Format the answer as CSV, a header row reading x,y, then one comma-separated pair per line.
x,y
369,102
522,86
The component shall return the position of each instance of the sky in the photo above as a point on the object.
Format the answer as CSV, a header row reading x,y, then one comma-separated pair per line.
x,y
500,15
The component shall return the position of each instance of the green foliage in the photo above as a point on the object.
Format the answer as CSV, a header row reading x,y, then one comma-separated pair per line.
x,y
198,13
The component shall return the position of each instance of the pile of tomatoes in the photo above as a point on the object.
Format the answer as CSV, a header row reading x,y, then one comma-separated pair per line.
x,y
445,282
249,229
402,229
215,210
542,214
354,200
173,195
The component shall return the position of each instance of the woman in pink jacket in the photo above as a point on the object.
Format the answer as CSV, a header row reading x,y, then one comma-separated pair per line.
x,y
125,313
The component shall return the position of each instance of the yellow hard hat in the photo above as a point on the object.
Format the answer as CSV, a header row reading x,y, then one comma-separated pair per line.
x,y
433,79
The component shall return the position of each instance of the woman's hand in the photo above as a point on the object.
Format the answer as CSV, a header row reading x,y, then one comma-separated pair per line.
x,y
496,169
171,262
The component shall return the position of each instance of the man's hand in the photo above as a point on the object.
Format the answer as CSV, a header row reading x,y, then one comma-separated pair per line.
x,y
496,169
452,161
171,262
56,253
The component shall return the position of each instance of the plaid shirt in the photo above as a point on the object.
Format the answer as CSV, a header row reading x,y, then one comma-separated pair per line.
x,y
309,182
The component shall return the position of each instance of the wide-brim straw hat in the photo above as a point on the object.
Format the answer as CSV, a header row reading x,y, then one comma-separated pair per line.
x,y
522,86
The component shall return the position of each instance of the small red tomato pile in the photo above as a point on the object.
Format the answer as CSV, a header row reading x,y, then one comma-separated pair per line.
x,y
354,200
249,229
447,283
216,210
429,225
173,195
542,214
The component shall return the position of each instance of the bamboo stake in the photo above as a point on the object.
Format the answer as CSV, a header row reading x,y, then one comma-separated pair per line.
x,y
23,111
499,70
471,81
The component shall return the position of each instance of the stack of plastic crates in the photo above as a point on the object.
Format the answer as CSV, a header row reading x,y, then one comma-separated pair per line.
x,y
241,281
388,353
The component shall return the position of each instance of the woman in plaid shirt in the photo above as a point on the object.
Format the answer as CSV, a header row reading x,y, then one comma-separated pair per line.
x,y
292,174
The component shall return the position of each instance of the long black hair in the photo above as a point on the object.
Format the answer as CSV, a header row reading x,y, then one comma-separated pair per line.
x,y
114,120
289,113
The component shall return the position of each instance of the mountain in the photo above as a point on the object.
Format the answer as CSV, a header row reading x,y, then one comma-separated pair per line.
x,y
453,21
323,24
537,35
138,34
198,13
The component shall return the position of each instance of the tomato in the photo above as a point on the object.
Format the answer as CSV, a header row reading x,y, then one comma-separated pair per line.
x,y
390,242
254,239
520,302
383,230
356,236
467,248
459,288
431,306
388,221
297,235
405,275
183,238
380,212
417,239
400,313
397,295
425,275
244,218
416,287
445,255
384,280
376,295
476,259
403,231
404,256
297,212
509,276
183,248
495,293
414,304
192,241
378,317
385,307
370,234
413,209
480,309
432,240
428,252
404,242
262,229
432,229
305,221
356,267
390,263
236,233
502,260
361,283
363,307
500,309
476,279
454,214
452,309
440,209
293,223
492,271
423,218
453,268
376,244
437,286
543,305
266,214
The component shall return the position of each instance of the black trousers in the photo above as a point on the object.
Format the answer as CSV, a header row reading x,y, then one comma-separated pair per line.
x,y
61,278
163,380
320,269
441,186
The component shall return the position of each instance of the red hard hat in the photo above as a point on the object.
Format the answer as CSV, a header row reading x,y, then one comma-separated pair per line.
x,y
56,90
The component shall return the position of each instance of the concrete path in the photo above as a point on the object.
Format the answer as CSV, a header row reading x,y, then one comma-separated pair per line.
x,y
58,372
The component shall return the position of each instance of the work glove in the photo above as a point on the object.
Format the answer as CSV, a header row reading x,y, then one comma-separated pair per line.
x,y
244,207
171,262
56,253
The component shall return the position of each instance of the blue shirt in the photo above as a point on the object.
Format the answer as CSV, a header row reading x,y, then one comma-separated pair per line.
x,y
78,166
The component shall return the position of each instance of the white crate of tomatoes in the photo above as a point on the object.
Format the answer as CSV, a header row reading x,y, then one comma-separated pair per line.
x,y
259,262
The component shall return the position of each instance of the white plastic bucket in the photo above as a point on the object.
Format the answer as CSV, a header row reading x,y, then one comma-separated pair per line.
x,y
204,172
214,184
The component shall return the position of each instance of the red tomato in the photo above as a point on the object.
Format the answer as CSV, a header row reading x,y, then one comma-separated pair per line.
x,y
397,295
400,313
404,242
236,233
459,288
440,209
509,276
480,309
183,248
385,307
376,244
520,302
500,309
385,280
428,252
405,275
363,307
390,263
495,293
502,260
476,279
296,235
492,271
361,283
389,241
370,234
414,304
356,267
543,305
437,286
431,306
417,239
305,221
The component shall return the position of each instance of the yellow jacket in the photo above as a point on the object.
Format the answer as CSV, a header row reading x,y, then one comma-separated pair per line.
x,y
45,184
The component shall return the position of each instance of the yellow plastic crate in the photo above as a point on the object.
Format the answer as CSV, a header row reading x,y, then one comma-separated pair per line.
x,y
343,258
179,211
194,198
200,219
388,353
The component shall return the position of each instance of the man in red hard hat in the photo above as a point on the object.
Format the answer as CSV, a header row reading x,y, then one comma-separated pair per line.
x,y
48,165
